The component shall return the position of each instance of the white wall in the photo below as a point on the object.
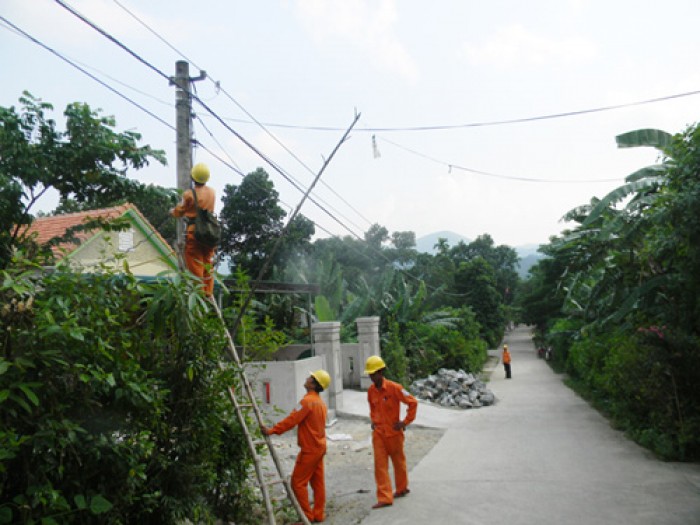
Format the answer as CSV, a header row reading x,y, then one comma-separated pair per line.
x,y
286,384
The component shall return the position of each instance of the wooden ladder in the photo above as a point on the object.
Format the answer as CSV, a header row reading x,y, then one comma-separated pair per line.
x,y
250,403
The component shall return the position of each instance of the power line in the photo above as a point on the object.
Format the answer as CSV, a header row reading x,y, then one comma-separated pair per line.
x,y
223,161
104,84
442,127
451,167
177,51
218,86
269,161
231,165
85,72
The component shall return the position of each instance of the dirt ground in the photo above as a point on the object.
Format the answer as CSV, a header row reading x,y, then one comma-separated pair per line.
x,y
350,488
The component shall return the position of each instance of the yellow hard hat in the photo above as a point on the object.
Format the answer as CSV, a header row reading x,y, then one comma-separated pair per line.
x,y
322,377
200,173
505,347
374,363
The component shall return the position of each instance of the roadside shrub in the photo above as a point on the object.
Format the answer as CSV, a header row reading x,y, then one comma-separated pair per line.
x,y
435,346
563,334
646,382
394,355
111,405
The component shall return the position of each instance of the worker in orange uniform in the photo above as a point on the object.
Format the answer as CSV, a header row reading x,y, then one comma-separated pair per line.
x,y
385,398
198,258
311,438
506,361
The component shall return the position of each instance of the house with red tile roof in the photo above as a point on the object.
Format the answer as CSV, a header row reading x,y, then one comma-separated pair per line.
x,y
145,251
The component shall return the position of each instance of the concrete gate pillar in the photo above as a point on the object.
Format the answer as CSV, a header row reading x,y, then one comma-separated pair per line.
x,y
368,337
326,338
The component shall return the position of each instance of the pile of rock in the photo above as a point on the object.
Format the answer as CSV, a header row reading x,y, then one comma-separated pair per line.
x,y
453,388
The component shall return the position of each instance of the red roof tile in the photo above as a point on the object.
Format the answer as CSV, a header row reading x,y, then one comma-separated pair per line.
x,y
48,228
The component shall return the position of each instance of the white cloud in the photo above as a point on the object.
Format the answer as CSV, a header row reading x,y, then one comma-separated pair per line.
x,y
366,25
515,45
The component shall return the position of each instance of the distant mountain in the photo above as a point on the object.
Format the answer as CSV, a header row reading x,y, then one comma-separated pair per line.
x,y
529,257
528,262
528,253
426,244
527,249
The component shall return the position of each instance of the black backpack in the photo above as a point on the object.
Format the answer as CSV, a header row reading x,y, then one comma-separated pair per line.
x,y
207,229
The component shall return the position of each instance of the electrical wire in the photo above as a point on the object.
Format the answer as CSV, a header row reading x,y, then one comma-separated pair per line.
x,y
269,161
218,87
234,168
85,72
488,123
541,117
212,153
177,51
23,33
223,123
451,167
291,153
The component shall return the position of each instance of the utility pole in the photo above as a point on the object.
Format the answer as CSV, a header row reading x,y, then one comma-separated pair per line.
x,y
183,124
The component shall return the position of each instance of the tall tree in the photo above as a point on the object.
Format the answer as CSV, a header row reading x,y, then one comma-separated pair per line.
x,y
630,313
253,221
476,280
88,162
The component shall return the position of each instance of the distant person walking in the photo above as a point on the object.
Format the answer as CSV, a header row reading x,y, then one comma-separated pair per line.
x,y
506,361
198,258
385,398
311,438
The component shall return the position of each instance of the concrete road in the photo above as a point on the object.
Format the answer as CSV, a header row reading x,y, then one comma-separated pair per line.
x,y
540,456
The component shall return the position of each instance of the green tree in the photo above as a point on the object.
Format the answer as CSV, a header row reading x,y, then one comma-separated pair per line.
x,y
629,281
403,251
88,162
476,280
112,405
376,236
540,299
502,259
253,221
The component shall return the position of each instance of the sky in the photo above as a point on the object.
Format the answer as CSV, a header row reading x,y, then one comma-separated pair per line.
x,y
438,86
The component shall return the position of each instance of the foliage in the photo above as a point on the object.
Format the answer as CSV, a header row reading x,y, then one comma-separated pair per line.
x,y
540,299
87,162
394,355
447,339
111,403
254,332
381,274
476,280
643,382
623,311
253,221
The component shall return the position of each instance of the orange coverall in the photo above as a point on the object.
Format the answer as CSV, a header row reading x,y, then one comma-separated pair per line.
x,y
311,438
198,258
506,362
384,411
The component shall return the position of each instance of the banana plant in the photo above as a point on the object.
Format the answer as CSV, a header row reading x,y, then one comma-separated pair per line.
x,y
604,270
